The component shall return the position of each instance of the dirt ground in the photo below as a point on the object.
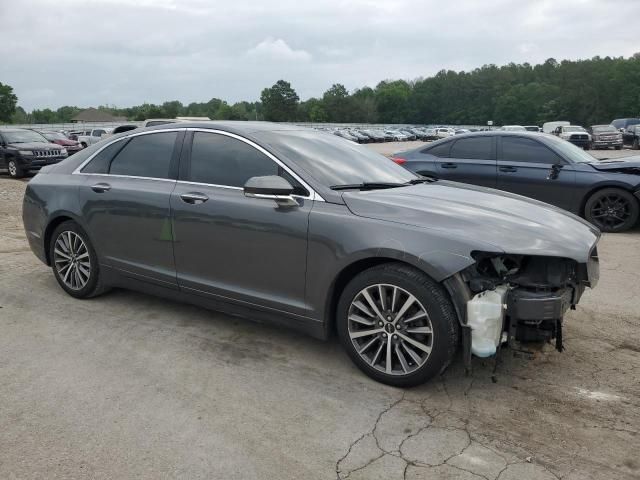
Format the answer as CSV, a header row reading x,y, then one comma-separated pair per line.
x,y
127,385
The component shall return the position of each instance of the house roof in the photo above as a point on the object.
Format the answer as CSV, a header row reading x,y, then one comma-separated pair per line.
x,y
95,115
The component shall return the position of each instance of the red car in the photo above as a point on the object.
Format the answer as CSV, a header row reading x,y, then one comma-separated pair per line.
x,y
58,138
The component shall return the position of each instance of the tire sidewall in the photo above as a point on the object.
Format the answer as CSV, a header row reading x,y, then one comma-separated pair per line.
x,y
440,311
635,208
90,287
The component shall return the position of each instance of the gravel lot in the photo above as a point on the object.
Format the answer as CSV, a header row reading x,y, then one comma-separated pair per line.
x,y
128,385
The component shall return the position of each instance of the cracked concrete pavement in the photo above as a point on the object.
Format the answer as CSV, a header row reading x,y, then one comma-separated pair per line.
x,y
128,385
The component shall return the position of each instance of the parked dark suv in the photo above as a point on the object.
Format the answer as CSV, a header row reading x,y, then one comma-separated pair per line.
x,y
631,136
543,167
23,150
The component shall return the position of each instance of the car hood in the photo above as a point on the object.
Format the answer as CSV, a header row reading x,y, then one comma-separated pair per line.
x,y
35,146
66,143
477,215
623,164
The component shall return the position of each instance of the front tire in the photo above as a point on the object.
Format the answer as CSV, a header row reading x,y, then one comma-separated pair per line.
x,y
612,210
74,261
635,145
15,170
397,325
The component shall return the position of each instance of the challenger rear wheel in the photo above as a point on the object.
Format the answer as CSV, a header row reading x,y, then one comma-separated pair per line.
x,y
397,325
612,210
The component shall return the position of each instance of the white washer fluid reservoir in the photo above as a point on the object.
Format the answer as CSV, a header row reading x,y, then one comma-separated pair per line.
x,y
485,316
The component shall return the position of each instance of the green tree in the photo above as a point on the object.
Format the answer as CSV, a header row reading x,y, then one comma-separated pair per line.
x,y
337,105
280,102
8,101
392,98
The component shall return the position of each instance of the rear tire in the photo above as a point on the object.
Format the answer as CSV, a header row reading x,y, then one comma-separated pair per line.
x,y
74,261
423,337
618,147
612,210
15,170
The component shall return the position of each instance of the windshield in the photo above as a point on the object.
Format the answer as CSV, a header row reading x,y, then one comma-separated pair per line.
x,y
603,129
23,136
331,160
573,129
575,154
53,136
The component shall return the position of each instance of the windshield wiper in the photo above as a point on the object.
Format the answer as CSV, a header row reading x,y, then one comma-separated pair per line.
x,y
367,186
416,181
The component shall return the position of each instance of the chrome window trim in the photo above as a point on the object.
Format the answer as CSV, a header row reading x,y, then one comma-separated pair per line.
x,y
313,195
172,180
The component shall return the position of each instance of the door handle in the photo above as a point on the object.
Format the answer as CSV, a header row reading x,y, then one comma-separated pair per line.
x,y
101,187
449,165
508,169
194,198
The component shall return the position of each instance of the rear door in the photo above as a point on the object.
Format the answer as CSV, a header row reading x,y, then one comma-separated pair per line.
x,y
525,167
470,160
126,204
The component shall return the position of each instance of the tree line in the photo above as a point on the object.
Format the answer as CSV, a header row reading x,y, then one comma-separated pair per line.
x,y
584,92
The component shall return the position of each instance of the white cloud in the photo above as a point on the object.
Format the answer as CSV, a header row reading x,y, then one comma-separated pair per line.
x,y
278,49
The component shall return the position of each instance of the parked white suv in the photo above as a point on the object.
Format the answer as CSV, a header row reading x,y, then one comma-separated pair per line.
x,y
89,137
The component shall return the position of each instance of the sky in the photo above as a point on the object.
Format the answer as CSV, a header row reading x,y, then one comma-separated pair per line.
x,y
127,52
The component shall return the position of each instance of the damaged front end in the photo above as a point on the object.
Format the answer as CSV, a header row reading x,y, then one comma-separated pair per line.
x,y
517,299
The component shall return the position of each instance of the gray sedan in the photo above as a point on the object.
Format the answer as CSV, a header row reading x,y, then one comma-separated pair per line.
x,y
308,230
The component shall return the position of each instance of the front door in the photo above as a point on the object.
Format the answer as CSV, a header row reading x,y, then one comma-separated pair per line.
x,y
230,246
525,167
125,202
471,160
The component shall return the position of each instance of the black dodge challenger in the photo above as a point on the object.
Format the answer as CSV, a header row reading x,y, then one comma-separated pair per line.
x,y
539,166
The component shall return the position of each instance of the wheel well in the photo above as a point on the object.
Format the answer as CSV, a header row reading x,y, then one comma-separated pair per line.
x,y
343,278
585,199
49,231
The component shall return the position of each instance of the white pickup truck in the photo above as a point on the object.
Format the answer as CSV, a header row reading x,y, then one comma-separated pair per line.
x,y
89,136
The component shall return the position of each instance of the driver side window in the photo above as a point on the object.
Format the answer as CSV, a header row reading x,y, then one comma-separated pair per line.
x,y
226,161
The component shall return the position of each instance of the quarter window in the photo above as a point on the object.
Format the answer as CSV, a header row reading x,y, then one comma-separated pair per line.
x,y
146,156
474,148
100,163
441,150
520,149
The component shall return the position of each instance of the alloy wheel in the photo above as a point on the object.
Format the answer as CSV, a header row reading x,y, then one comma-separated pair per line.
x,y
13,169
611,211
390,329
72,261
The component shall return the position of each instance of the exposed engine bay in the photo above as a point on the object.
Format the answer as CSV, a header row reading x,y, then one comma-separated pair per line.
x,y
519,299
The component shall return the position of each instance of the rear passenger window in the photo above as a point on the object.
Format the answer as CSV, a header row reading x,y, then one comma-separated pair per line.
x,y
520,149
146,156
100,163
440,150
475,147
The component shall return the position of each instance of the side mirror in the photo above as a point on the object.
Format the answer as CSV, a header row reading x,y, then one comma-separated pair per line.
x,y
555,171
271,187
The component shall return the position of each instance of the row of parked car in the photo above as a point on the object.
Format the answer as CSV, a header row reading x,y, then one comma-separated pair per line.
x,y
404,134
620,132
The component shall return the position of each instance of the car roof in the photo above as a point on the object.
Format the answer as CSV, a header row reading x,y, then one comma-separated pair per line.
x,y
13,129
231,126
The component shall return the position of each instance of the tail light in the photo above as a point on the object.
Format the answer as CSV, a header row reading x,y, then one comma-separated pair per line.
x,y
399,160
